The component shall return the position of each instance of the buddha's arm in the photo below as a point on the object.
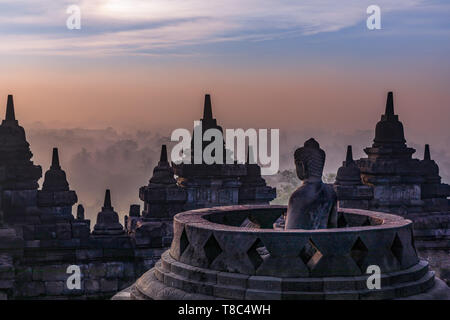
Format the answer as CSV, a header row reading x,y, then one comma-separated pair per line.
x,y
332,217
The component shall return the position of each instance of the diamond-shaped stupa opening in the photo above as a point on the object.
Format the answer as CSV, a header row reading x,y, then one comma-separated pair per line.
x,y
359,252
310,254
184,241
212,249
256,253
341,222
397,248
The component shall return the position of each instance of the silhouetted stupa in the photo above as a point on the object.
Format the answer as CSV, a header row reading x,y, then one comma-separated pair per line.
x,y
108,220
209,185
395,182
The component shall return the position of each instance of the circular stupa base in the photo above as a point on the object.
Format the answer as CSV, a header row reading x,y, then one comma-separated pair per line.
x,y
236,253
171,280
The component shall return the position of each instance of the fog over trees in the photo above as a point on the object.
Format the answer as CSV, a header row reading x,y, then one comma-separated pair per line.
x,y
95,160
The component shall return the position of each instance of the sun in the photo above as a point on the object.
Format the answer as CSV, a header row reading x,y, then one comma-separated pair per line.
x,y
137,8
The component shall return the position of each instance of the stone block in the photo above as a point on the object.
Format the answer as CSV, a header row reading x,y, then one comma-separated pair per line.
x,y
6,272
302,296
23,198
91,286
32,244
172,280
49,243
302,284
145,253
232,279
6,284
54,288
74,292
193,273
382,294
114,270
80,230
45,232
197,287
69,243
129,270
96,270
252,294
228,292
63,231
50,273
262,283
331,284
28,232
342,296
31,289
24,274
118,253
88,254
108,285
158,274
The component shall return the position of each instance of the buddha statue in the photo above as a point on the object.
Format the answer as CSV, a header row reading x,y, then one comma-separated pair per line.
x,y
313,205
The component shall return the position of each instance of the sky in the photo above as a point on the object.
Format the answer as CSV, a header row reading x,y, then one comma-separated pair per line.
x,y
308,68
147,64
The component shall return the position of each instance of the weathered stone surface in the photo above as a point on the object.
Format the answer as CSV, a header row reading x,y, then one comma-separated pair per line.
x,y
340,257
108,285
92,286
114,270
54,288
108,220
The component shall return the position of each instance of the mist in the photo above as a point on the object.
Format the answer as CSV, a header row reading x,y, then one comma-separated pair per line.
x,y
123,161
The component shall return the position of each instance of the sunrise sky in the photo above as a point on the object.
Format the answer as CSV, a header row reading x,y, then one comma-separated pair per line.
x,y
138,69
267,63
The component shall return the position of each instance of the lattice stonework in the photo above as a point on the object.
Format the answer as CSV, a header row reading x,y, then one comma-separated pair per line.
x,y
397,248
184,242
254,254
359,252
212,249
310,254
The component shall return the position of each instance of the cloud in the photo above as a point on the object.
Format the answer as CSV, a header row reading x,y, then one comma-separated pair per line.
x,y
147,27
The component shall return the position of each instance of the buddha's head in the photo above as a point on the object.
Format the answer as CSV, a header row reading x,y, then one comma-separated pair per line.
x,y
309,160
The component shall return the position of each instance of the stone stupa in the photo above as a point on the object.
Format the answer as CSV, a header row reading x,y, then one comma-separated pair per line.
x,y
108,220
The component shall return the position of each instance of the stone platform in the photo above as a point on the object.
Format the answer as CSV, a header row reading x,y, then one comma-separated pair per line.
x,y
213,257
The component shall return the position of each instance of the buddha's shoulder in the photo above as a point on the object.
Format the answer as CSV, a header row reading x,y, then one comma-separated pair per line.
x,y
329,190
303,194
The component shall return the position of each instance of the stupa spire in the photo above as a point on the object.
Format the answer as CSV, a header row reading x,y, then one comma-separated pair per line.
x,y
107,203
55,159
108,220
390,104
10,114
349,157
389,130
349,173
207,110
427,154
250,156
163,157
